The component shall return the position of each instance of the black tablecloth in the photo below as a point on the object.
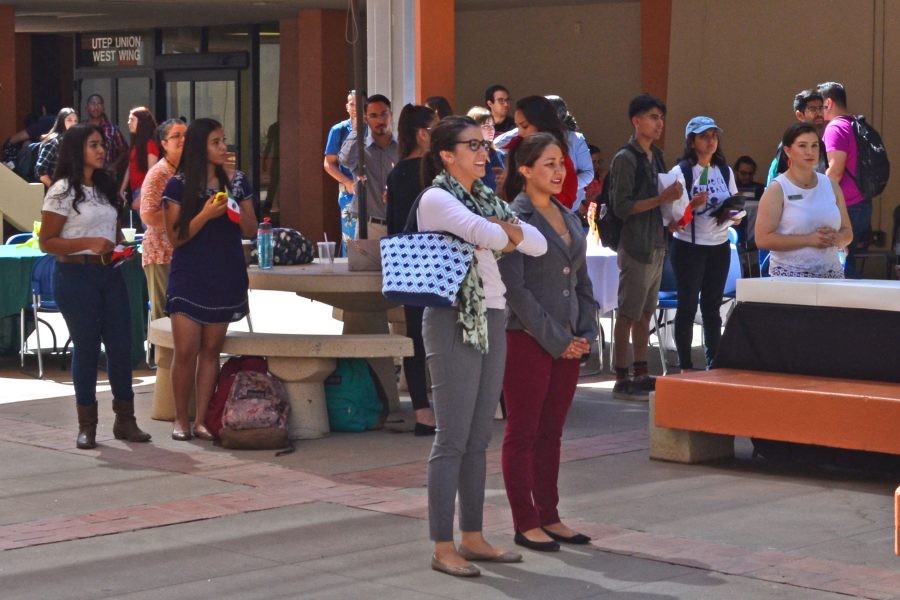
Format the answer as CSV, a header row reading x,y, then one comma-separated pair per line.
x,y
812,340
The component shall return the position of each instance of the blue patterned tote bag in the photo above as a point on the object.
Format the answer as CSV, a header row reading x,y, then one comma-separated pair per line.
x,y
423,268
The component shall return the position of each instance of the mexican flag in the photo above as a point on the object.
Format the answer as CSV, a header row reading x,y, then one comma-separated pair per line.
x,y
234,209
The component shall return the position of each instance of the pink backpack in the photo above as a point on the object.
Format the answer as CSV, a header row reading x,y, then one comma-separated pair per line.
x,y
256,413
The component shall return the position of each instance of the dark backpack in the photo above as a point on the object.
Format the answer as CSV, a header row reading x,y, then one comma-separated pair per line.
x,y
609,225
26,162
230,369
873,169
291,248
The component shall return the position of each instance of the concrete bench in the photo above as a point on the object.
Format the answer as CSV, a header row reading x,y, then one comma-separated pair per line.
x,y
695,416
301,362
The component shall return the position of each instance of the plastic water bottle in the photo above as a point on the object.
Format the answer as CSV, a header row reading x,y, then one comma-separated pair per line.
x,y
842,256
264,244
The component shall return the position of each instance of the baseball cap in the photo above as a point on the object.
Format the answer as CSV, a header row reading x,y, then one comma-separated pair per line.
x,y
699,125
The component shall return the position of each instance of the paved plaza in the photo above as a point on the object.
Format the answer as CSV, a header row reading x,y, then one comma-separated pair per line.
x,y
345,516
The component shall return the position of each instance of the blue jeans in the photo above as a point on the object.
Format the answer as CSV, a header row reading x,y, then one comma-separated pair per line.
x,y
861,222
94,302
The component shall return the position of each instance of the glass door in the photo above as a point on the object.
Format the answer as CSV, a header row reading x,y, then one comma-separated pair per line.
x,y
213,94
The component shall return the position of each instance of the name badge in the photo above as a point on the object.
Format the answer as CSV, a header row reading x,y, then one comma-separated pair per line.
x,y
795,197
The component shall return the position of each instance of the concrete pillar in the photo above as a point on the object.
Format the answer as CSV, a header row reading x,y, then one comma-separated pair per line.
x,y
390,49
8,124
436,50
311,97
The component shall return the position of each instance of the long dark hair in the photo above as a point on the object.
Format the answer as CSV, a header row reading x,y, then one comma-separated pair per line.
x,y
690,155
526,154
412,119
70,167
440,106
193,167
59,125
444,136
146,130
541,113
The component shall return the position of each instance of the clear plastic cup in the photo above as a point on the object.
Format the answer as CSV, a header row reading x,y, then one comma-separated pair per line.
x,y
326,255
128,233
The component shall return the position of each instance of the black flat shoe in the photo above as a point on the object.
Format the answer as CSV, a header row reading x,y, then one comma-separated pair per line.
x,y
521,540
578,538
423,430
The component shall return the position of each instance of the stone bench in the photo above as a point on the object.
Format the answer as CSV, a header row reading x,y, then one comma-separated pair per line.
x,y
301,362
695,416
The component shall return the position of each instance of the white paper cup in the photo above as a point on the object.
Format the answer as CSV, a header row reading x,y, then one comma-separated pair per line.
x,y
129,233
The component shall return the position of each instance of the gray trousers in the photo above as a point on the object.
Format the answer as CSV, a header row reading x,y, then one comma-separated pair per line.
x,y
466,386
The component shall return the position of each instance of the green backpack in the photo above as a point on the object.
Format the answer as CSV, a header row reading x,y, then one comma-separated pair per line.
x,y
351,397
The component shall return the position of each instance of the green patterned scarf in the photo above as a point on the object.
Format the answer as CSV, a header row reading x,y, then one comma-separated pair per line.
x,y
472,311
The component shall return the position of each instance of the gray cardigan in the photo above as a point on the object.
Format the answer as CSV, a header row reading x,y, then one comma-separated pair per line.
x,y
550,296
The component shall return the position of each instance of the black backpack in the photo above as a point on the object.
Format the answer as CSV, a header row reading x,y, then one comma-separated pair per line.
x,y
873,169
26,162
609,225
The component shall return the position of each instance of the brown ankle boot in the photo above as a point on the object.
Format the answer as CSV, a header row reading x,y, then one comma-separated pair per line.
x,y
125,427
87,426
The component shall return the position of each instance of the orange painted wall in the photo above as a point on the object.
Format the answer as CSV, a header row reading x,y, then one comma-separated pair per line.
x,y
435,49
656,25
312,94
8,108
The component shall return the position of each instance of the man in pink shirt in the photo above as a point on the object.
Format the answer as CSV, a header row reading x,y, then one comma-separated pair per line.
x,y
840,144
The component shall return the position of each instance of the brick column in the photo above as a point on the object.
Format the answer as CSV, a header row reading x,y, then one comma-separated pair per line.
x,y
436,50
311,97
8,112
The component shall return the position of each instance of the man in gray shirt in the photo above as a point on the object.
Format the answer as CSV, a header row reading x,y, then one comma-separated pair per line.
x,y
381,156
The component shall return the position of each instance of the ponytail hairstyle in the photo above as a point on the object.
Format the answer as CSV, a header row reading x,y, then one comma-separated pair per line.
x,y
193,168
562,111
444,136
412,119
440,106
526,154
541,113
146,131
162,132
70,167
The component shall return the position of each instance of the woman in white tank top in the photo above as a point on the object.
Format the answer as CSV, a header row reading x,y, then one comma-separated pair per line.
x,y
802,218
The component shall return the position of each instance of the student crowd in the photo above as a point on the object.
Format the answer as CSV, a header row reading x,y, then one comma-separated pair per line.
x,y
514,180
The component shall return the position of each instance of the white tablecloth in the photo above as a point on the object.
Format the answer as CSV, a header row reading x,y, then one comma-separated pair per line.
x,y
604,274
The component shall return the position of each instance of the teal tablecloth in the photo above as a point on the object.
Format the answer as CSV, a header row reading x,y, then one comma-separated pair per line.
x,y
15,292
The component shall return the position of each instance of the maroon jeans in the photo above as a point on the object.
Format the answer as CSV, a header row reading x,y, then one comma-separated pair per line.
x,y
538,390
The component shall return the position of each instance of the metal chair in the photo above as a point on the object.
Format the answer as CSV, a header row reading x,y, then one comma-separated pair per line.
x,y
668,300
18,238
42,300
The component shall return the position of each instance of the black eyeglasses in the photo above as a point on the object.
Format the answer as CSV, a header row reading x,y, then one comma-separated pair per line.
x,y
476,145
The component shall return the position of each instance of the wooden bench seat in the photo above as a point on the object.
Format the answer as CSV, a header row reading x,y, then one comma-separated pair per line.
x,y
694,416
301,361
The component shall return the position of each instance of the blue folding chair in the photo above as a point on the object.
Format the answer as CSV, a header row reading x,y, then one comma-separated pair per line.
x,y
42,300
668,300
18,238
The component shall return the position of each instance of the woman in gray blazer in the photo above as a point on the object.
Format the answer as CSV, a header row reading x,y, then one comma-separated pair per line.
x,y
551,320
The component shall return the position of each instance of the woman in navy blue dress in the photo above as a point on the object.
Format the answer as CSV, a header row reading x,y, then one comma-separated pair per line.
x,y
208,278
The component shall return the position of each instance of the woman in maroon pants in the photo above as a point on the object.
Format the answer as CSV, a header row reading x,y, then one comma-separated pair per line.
x,y
551,322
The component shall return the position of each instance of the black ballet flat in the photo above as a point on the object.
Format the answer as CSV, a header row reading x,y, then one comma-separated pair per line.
x,y
521,540
578,538
423,430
